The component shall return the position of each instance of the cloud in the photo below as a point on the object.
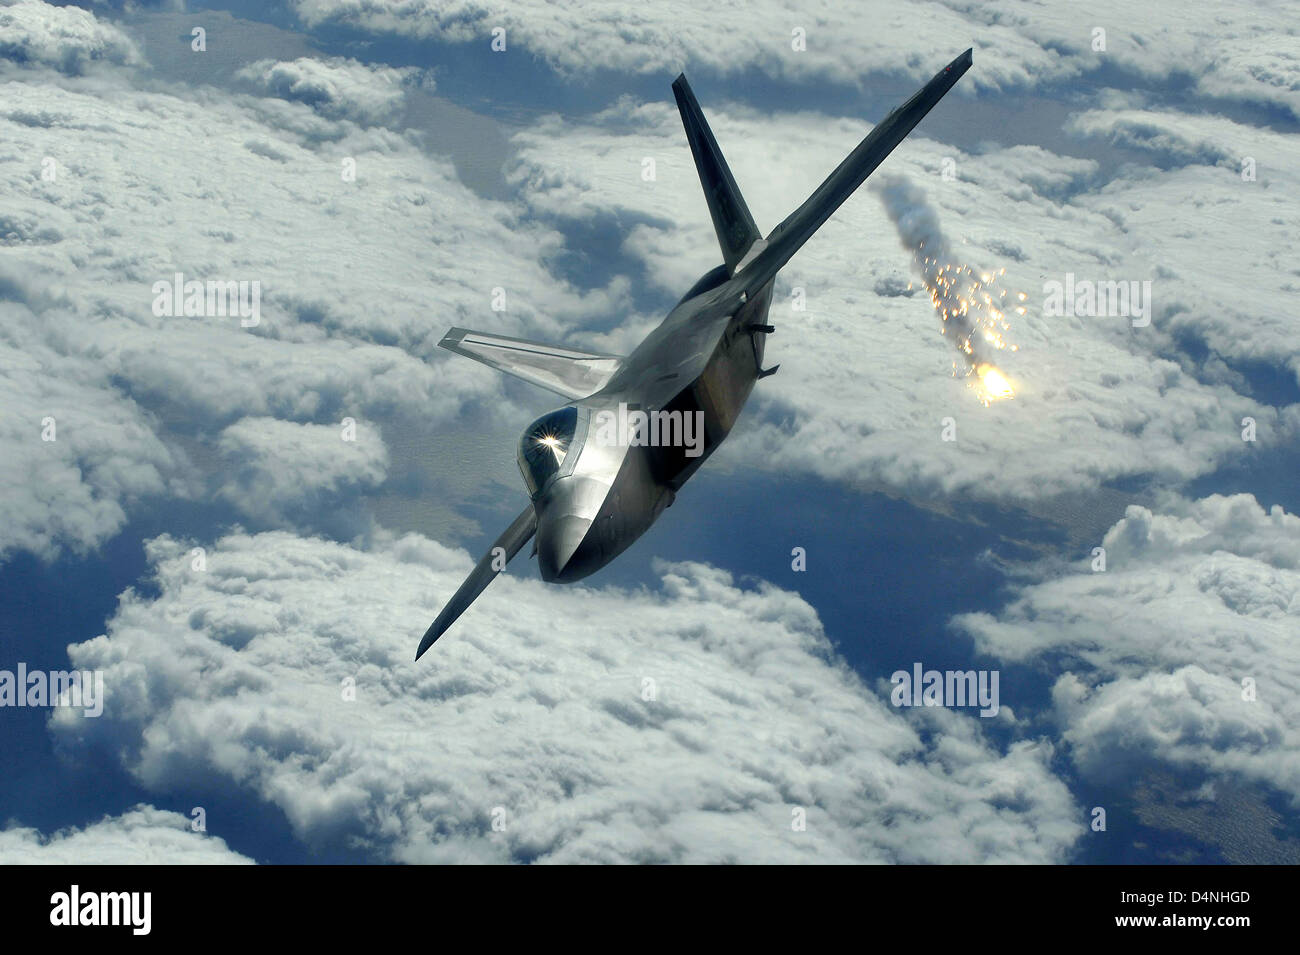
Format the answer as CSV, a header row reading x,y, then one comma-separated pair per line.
x,y
1262,69
79,452
236,676
109,189
336,87
1236,52
278,465
1135,402
69,39
604,35
1194,601
1175,139
533,712
141,836
1228,281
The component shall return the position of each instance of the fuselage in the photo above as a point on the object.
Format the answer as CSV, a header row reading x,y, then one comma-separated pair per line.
x,y
628,448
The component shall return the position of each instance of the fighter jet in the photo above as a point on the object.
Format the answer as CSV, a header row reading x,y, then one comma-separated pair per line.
x,y
601,469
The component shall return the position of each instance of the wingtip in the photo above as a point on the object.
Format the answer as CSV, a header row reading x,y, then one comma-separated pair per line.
x,y
426,642
454,336
958,67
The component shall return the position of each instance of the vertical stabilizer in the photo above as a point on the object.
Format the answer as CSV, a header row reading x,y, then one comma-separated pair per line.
x,y
731,219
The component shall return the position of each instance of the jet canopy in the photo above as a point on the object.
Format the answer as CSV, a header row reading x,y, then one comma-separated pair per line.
x,y
545,445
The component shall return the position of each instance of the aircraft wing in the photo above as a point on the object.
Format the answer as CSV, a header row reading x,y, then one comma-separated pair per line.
x,y
574,374
767,257
485,571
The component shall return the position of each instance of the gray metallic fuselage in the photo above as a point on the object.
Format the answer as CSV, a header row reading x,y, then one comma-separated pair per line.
x,y
703,358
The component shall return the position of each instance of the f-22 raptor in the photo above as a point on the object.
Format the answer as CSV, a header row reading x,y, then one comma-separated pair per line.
x,y
596,484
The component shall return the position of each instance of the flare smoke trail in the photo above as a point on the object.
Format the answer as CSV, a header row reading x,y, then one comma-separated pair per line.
x,y
969,303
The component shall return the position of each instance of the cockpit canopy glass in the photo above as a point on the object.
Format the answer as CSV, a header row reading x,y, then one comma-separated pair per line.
x,y
544,445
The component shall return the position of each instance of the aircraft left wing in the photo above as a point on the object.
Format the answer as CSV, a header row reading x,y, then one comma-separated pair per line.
x,y
574,374
485,571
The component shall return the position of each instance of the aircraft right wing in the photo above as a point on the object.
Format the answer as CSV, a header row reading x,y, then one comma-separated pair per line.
x,y
574,374
786,239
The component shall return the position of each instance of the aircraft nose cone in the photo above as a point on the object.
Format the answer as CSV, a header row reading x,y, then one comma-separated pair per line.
x,y
558,540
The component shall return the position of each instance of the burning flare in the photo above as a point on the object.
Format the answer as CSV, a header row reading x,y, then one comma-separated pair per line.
x,y
969,303
995,383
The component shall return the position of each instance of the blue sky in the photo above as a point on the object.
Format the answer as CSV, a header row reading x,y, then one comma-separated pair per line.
x,y
521,170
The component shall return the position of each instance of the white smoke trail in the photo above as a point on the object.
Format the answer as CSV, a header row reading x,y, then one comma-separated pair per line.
x,y
969,303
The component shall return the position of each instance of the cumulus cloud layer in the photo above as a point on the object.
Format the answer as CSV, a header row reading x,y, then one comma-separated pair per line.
x,y
142,836
689,722
337,87
1133,402
1245,52
1194,601
79,451
68,39
685,724
105,194
277,466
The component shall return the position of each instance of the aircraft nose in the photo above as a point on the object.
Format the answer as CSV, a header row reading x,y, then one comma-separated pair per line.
x,y
558,540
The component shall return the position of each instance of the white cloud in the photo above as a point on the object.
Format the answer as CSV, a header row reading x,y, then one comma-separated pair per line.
x,y
1193,601
336,87
276,465
68,39
141,836
534,704
78,451
1261,68
1223,248
359,279
1245,52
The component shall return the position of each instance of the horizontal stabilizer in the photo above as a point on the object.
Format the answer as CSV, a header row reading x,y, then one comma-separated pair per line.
x,y
485,571
573,374
787,238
